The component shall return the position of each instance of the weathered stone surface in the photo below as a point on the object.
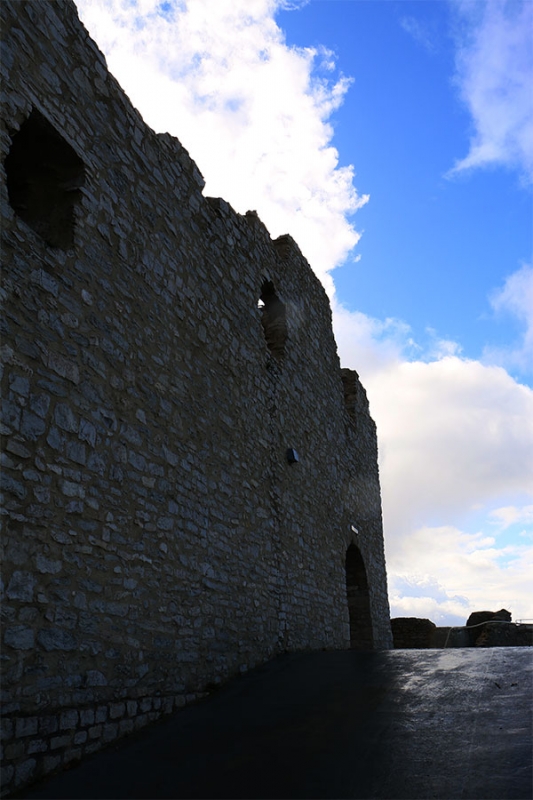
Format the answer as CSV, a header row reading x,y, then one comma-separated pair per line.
x,y
476,628
47,565
412,632
24,771
157,537
26,726
68,720
20,586
56,639
19,637
505,634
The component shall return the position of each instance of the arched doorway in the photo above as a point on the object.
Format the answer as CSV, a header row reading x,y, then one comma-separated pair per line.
x,y
361,637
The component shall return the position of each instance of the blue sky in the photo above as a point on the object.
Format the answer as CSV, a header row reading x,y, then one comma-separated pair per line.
x,y
394,141
434,247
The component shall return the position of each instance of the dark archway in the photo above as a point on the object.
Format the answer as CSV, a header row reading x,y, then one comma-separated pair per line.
x,y
361,636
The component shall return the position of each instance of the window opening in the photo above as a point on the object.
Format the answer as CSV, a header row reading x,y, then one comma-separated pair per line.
x,y
273,319
44,176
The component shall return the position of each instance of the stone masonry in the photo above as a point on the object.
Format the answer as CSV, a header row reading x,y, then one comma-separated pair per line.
x,y
189,483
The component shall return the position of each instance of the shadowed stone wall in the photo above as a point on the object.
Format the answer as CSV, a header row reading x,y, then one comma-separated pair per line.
x,y
413,632
160,356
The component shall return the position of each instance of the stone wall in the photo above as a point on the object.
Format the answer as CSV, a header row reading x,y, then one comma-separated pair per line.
x,y
164,364
505,634
413,632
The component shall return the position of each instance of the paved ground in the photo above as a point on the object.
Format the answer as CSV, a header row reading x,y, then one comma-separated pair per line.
x,y
401,724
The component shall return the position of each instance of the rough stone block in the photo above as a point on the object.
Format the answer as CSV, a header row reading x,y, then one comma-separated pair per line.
x,y
68,719
32,426
131,706
6,774
24,771
87,716
19,385
116,710
47,565
26,726
60,741
56,639
37,746
96,678
20,587
48,725
14,750
12,486
17,448
19,637
50,763
92,747
73,754
7,729
125,726
65,418
95,732
110,732
140,721
39,404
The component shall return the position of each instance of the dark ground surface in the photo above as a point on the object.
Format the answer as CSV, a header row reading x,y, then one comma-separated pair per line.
x,y
400,724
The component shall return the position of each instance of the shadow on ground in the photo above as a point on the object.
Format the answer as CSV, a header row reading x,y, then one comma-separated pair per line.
x,y
400,724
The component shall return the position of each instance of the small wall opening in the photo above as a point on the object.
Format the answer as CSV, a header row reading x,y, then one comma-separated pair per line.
x,y
361,636
44,176
273,319
350,383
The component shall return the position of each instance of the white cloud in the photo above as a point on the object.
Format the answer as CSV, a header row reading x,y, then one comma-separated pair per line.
x,y
494,74
515,298
512,515
253,112
455,433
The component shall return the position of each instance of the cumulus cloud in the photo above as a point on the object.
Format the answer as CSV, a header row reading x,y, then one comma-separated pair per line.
x,y
494,75
512,515
516,299
253,112
455,433
458,572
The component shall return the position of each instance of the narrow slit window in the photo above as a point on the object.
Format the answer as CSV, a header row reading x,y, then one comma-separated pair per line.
x,y
273,319
350,383
44,178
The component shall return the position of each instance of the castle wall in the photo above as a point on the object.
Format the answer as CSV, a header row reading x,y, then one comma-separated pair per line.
x,y
160,357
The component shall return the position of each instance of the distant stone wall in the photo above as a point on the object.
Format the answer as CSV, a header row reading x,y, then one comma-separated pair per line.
x,y
161,356
412,632
505,634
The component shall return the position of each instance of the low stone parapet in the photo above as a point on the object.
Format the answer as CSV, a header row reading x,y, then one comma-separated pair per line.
x,y
411,632
35,746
